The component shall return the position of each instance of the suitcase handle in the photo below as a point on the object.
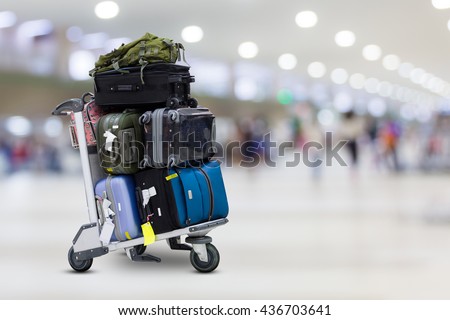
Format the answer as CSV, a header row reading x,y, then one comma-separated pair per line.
x,y
71,105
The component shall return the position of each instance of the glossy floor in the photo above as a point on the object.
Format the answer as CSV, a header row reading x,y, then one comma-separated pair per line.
x,y
371,235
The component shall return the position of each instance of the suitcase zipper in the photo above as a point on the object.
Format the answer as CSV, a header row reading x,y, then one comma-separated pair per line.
x,y
211,193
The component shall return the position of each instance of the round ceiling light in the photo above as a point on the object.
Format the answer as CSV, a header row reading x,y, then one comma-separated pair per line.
x,y
306,19
248,50
106,9
371,52
287,61
317,69
192,34
345,38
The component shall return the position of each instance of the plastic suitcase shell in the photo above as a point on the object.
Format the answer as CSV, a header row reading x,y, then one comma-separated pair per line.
x,y
199,193
173,136
125,153
164,83
120,190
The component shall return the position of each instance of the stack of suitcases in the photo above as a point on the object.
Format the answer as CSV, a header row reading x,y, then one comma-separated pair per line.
x,y
150,147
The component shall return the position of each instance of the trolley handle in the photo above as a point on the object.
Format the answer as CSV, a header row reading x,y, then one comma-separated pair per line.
x,y
71,105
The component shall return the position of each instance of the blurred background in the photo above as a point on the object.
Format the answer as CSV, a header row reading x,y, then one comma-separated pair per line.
x,y
375,74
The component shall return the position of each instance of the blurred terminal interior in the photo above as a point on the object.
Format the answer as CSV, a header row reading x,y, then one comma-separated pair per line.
x,y
319,71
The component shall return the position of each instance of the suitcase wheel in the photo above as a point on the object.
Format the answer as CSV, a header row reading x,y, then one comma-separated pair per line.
x,y
213,259
173,103
78,265
192,103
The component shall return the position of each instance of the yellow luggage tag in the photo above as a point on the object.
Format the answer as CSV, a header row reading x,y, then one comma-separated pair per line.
x,y
149,234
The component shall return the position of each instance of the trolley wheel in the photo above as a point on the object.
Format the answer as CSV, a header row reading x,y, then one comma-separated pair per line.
x,y
192,103
140,249
172,103
213,259
78,265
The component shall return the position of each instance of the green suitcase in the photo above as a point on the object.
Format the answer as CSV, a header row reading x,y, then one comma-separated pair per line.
x,y
119,142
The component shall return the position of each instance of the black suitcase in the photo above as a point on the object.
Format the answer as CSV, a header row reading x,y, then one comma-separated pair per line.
x,y
155,200
174,136
155,84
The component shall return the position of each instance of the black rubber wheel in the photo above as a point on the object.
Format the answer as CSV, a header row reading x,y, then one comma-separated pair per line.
x,y
140,249
172,103
78,265
192,103
213,259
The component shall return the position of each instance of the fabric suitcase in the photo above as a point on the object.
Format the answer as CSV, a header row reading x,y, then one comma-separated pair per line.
x,y
120,191
181,196
120,146
173,136
156,84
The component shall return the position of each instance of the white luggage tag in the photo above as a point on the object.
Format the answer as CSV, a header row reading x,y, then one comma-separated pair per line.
x,y
110,137
108,226
147,194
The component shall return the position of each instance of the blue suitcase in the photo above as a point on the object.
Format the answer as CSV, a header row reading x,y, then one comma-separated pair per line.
x,y
182,196
199,193
120,191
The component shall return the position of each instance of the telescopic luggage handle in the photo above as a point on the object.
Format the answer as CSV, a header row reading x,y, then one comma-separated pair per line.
x,y
71,105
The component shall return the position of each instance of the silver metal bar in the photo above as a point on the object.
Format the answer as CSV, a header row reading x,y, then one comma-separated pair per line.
x,y
88,184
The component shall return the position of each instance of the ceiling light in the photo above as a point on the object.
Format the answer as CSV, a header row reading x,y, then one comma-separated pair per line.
x,y
74,34
106,9
325,117
248,50
371,52
343,102
371,85
404,70
377,107
192,34
385,89
339,76
345,38
19,126
448,25
80,62
287,61
357,81
7,19
391,62
441,4
416,75
317,69
306,19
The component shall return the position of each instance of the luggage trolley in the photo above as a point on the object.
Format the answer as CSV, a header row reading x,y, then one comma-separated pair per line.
x,y
87,245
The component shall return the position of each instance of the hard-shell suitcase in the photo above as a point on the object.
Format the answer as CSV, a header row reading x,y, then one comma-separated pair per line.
x,y
156,84
173,136
120,146
120,191
179,197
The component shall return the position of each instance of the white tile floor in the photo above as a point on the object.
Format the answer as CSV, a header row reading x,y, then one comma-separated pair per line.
x,y
375,236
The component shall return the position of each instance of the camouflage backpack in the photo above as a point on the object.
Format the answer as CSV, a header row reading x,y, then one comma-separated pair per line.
x,y
147,49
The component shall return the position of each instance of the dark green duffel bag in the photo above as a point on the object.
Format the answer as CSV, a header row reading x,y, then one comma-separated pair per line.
x,y
119,142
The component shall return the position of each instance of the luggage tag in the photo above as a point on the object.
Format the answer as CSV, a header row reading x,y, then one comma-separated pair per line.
x,y
110,137
147,194
149,234
108,226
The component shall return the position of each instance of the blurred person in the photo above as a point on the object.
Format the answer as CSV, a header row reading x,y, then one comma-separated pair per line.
x,y
351,129
5,157
314,133
389,137
20,155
